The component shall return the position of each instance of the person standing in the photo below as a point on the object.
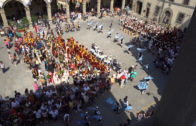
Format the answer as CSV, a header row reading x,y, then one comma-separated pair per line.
x,y
98,115
14,59
122,82
125,101
127,75
121,42
117,108
7,42
66,119
111,24
2,66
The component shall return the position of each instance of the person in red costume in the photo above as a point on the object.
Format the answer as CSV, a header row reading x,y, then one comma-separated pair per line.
x,y
36,27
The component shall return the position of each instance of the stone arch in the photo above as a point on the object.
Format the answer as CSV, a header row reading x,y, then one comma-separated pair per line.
x,y
7,1
41,7
117,3
17,6
139,6
54,6
167,16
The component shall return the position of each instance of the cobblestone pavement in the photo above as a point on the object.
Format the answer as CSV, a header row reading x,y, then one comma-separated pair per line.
x,y
18,78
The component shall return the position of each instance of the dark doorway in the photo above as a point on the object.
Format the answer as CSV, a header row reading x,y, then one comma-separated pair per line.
x,y
38,8
72,5
1,22
14,10
54,6
130,4
167,17
139,7
117,3
147,12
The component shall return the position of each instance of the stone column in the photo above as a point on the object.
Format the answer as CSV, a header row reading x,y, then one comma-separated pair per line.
x,y
2,12
84,7
98,7
123,5
28,15
49,12
67,12
111,5
134,4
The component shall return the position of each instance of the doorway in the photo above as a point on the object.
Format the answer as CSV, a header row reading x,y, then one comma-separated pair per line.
x,y
167,17
139,7
147,12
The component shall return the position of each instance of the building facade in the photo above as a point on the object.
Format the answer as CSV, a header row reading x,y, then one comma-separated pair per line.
x,y
176,13
18,9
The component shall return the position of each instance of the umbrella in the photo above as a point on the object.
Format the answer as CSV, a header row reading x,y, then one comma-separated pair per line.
x,y
110,100
130,46
81,122
123,77
97,117
91,108
133,74
148,78
82,114
141,50
146,66
141,58
128,108
142,85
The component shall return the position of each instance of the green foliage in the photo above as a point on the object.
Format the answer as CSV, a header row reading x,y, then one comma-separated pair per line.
x,y
22,25
34,19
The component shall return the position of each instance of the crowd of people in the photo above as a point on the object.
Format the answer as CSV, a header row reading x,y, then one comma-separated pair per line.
x,y
54,95
163,41
62,60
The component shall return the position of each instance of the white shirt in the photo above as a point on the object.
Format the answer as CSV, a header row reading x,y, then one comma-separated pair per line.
x,y
44,114
54,113
50,102
37,114
58,105
14,104
66,117
49,93
43,107
2,65
86,88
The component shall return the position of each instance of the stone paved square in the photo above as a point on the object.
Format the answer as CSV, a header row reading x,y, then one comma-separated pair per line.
x,y
18,77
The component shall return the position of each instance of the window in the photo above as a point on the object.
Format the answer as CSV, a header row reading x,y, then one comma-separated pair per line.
x,y
156,12
180,18
186,2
